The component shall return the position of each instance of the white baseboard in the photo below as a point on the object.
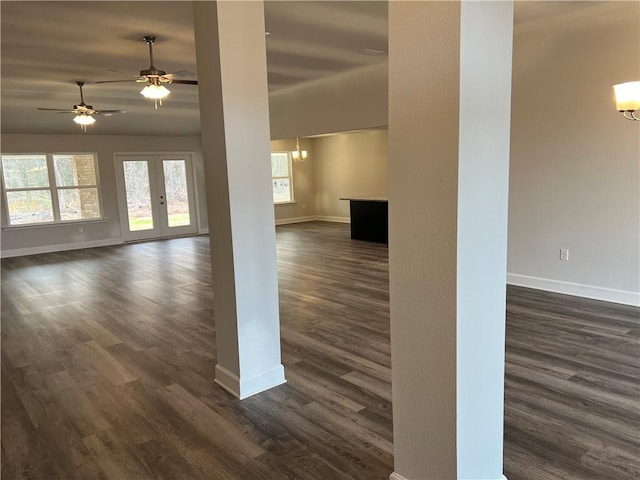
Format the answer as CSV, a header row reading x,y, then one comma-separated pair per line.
x,y
286,221
311,218
325,218
397,476
579,290
245,387
21,252
203,231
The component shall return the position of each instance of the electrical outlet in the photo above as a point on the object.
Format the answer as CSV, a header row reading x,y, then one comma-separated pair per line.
x,y
80,230
564,254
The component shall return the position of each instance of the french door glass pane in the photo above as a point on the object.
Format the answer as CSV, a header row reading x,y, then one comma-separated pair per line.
x,y
136,181
175,185
78,203
30,206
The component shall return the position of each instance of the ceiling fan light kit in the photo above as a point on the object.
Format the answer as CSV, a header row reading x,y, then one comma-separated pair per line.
x,y
156,93
84,119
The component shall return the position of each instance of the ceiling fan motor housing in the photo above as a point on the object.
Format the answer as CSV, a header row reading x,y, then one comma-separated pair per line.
x,y
83,106
152,72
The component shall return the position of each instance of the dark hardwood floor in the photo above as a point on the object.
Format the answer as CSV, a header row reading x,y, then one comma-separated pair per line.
x,y
572,388
108,358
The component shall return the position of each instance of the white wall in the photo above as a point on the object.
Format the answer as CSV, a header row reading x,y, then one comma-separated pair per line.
x,y
485,110
575,162
59,237
349,165
423,175
303,206
449,91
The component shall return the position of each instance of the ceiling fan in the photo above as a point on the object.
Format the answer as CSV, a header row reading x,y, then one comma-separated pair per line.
x,y
84,113
153,77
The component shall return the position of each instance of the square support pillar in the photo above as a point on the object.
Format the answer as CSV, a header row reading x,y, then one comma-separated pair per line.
x,y
449,133
234,117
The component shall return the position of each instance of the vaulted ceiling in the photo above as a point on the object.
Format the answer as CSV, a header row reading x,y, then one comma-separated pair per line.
x,y
48,45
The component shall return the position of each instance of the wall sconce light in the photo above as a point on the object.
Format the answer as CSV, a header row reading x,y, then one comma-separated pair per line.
x,y
628,99
299,155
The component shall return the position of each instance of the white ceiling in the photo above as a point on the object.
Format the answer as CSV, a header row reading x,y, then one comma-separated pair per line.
x,y
47,46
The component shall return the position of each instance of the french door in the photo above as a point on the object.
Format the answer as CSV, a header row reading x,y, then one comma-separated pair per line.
x,y
155,195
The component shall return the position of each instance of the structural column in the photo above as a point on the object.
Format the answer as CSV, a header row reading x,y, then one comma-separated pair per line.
x,y
449,130
234,117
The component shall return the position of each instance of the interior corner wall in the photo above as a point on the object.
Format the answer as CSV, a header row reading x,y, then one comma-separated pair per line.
x,y
349,165
303,207
353,100
575,168
107,232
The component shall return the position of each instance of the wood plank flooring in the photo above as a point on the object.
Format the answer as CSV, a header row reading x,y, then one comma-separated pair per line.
x,y
108,358
572,388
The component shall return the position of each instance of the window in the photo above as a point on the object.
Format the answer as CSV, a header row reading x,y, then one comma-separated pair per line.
x,y
281,177
50,188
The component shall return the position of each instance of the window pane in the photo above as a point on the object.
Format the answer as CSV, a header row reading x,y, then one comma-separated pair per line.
x,y
33,206
280,168
74,170
25,171
279,165
78,203
281,190
136,181
175,185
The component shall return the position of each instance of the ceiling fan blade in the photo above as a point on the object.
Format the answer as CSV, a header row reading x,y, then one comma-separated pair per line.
x,y
108,113
186,82
116,81
124,73
59,110
178,73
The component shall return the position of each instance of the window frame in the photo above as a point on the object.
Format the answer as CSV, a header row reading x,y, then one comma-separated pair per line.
x,y
53,188
289,177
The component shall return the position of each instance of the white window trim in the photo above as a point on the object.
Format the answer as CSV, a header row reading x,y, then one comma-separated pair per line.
x,y
290,177
53,188
66,223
